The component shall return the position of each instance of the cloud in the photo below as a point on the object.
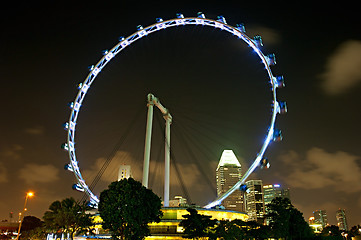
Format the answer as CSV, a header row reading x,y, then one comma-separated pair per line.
x,y
318,169
38,130
111,172
12,152
269,35
36,173
343,68
3,173
189,173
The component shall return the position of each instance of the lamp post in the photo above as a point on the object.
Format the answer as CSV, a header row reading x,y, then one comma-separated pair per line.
x,y
28,194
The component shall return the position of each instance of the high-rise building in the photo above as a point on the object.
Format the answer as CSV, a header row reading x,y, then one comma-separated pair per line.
x,y
273,191
255,201
228,173
321,217
341,219
124,172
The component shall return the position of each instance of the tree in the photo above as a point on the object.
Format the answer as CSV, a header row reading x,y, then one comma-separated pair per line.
x,y
298,227
355,231
30,223
228,230
31,227
219,230
127,207
67,216
332,231
286,221
254,230
196,225
279,216
238,229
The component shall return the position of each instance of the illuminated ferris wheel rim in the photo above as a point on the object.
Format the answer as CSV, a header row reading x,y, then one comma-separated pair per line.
x,y
200,20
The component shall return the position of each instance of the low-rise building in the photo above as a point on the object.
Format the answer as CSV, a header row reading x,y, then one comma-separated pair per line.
x,y
168,228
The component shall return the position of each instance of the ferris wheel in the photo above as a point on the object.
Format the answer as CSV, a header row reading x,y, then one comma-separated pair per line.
x,y
255,43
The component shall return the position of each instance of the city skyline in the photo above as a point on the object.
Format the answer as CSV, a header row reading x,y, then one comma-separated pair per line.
x,y
213,85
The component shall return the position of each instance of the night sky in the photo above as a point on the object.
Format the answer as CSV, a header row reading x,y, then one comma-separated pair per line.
x,y
213,84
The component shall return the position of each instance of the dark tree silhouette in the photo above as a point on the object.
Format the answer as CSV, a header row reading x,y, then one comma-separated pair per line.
x,y
286,221
332,231
30,223
196,225
67,216
32,227
127,207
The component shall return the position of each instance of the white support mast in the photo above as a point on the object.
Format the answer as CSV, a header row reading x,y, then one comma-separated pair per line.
x,y
148,139
168,122
152,100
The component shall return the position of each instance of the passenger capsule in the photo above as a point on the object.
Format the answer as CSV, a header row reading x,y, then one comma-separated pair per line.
x,y
277,135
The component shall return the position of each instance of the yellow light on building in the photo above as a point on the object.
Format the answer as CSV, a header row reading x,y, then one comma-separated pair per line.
x,y
168,227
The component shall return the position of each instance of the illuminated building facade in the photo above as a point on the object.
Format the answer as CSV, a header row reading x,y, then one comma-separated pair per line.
x,y
255,201
125,171
7,228
272,191
228,173
341,219
168,227
317,228
320,217
178,201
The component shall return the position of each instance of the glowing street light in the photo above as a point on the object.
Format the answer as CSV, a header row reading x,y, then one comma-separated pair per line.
x,y
21,215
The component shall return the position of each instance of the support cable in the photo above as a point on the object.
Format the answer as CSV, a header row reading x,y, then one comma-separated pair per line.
x,y
196,161
113,153
174,160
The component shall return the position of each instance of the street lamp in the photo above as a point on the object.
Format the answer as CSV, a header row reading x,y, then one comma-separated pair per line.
x,y
28,194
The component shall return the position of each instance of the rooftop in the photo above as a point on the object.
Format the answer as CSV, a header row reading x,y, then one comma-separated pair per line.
x,y
228,158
